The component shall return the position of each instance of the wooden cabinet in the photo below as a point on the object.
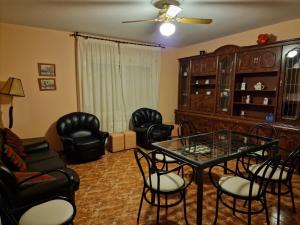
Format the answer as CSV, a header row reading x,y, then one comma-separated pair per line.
x,y
263,60
218,85
204,65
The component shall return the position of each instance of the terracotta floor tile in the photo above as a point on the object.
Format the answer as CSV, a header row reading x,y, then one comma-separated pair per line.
x,y
110,192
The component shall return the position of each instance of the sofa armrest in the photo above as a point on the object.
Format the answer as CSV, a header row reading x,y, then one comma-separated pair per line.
x,y
35,147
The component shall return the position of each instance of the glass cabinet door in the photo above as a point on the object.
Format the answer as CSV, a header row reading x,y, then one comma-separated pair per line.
x,y
291,92
184,80
225,73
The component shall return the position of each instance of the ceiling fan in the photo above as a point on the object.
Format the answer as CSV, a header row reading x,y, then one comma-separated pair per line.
x,y
168,12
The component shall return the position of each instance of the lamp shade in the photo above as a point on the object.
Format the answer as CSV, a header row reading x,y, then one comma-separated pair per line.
x,y
13,87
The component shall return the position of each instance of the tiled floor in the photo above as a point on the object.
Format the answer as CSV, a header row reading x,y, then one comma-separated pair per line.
x,y
110,192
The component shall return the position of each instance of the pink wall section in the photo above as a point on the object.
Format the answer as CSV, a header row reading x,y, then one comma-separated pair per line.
x,y
21,48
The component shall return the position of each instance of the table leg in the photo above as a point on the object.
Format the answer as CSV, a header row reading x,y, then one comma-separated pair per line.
x,y
199,177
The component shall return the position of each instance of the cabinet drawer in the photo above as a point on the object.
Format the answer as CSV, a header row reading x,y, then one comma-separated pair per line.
x,y
264,60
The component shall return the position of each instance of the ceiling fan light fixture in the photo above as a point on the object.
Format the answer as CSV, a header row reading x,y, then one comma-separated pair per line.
x,y
167,29
173,10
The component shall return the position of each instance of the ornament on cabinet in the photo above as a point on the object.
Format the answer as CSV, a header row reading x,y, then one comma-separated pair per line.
x,y
248,99
259,86
243,86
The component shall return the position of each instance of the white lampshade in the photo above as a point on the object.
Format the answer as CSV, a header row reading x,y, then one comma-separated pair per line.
x,y
167,29
13,87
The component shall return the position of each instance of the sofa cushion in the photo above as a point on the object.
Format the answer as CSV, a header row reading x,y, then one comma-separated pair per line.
x,y
37,177
14,141
14,161
46,165
40,155
43,190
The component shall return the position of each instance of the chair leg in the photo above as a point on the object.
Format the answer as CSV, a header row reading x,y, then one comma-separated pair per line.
x,y
166,198
292,196
278,203
184,208
234,204
266,209
249,212
140,207
158,208
217,208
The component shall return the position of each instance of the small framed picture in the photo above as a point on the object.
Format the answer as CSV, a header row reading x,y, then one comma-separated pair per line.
x,y
46,69
47,84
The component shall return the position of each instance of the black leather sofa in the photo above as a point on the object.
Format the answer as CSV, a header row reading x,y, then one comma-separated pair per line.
x,y
40,159
81,137
147,123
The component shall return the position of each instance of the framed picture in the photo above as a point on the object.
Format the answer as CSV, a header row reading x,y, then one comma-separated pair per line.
x,y
47,84
46,69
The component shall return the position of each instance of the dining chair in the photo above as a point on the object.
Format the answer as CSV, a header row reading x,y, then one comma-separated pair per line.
x,y
55,211
282,178
263,130
160,183
243,188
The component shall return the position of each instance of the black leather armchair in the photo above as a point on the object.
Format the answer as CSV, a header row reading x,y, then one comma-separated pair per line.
x,y
147,123
81,138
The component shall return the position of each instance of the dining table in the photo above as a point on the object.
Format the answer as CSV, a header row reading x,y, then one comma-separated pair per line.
x,y
204,150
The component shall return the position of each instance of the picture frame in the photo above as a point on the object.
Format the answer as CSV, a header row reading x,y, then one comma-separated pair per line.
x,y
46,69
47,84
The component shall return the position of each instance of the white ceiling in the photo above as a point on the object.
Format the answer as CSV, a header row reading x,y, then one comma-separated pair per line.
x,y
104,17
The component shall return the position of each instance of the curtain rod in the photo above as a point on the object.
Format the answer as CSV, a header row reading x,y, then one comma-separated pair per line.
x,y
77,34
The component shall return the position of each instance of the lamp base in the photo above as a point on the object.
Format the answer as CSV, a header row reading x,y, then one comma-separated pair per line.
x,y
11,120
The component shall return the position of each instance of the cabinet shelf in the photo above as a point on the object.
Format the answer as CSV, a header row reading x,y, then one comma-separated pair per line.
x,y
201,85
253,104
256,91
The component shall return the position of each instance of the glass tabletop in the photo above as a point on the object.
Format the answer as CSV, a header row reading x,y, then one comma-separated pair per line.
x,y
207,149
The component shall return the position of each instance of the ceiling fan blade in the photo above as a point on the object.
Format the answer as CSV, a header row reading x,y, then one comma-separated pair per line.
x,y
194,20
136,21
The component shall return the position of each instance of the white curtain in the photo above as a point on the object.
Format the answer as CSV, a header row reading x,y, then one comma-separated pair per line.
x,y
140,74
116,79
99,81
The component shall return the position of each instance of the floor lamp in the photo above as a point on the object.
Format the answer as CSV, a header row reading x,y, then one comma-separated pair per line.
x,y
12,87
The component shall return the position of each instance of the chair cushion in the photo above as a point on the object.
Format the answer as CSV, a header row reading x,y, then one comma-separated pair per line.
x,y
14,161
276,175
238,186
164,158
261,153
46,165
14,141
54,212
86,143
168,182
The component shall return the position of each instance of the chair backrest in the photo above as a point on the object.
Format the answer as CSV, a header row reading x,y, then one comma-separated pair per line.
x,y
266,170
77,124
144,116
263,130
146,165
289,165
